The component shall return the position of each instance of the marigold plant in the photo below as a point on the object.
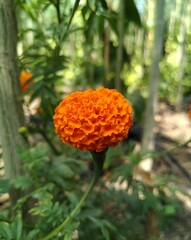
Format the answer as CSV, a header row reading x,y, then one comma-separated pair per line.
x,y
24,77
93,120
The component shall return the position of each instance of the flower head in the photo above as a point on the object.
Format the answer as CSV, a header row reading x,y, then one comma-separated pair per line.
x,y
24,77
189,112
93,120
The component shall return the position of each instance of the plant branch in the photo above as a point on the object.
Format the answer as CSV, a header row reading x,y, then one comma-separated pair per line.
x,y
74,212
47,139
119,57
173,159
44,135
71,17
99,159
163,153
57,6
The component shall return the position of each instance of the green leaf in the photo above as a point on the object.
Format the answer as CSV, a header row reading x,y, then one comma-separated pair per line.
x,y
72,14
105,227
92,5
70,227
43,207
131,12
4,185
5,231
72,198
62,169
110,226
91,22
32,235
68,236
170,210
105,232
103,3
101,22
22,182
17,226
113,22
44,204
90,212
48,92
42,193
36,93
102,227
69,230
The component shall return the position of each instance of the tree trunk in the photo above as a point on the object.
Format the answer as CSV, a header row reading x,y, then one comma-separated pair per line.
x,y
172,15
151,230
106,51
148,135
181,51
141,43
119,60
11,114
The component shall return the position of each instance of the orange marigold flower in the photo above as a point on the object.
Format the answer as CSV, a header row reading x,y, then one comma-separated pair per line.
x,y
189,112
24,77
93,120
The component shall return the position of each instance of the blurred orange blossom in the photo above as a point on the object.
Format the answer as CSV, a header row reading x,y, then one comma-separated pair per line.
x,y
93,120
24,77
189,112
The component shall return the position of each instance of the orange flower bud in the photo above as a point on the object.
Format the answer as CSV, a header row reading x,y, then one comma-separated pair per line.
x,y
24,77
93,120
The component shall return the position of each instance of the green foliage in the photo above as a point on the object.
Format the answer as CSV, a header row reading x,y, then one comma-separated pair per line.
x,y
4,185
12,230
63,47
49,197
138,102
131,12
53,186
127,212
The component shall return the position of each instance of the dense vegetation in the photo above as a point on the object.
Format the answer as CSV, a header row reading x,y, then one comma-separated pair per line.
x,y
67,46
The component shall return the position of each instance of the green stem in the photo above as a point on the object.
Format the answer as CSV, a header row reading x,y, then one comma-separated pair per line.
x,y
99,159
70,20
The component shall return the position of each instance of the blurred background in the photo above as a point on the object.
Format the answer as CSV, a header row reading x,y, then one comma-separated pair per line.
x,y
51,48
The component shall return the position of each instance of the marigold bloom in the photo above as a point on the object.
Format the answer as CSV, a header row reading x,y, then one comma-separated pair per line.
x,y
189,112
24,77
93,120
